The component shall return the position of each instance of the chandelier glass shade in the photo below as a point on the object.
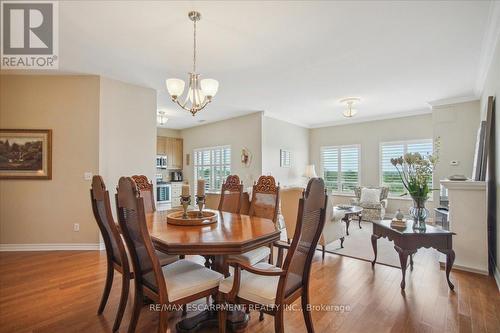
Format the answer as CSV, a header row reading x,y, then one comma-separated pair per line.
x,y
349,112
199,92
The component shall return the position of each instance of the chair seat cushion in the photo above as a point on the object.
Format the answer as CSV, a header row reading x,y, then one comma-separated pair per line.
x,y
254,256
253,287
185,278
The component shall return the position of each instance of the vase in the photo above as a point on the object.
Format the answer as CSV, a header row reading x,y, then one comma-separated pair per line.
x,y
419,213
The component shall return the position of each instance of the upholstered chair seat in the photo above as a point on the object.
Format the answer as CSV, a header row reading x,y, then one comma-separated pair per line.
x,y
184,278
253,287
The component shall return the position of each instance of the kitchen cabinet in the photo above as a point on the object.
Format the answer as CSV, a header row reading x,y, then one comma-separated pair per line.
x,y
176,193
172,148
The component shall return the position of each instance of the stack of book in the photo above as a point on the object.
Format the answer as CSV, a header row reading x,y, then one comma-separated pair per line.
x,y
398,223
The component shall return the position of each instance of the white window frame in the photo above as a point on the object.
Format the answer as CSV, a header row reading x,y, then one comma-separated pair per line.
x,y
339,147
195,166
405,144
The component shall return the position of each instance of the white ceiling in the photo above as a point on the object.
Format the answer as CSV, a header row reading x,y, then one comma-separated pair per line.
x,y
294,60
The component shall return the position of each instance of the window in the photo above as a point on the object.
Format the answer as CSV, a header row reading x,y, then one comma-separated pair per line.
x,y
340,167
388,174
212,164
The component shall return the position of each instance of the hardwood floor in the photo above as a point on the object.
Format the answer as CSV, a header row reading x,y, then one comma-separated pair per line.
x,y
60,292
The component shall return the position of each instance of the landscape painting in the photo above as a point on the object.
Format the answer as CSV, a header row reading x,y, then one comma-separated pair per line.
x,y
25,154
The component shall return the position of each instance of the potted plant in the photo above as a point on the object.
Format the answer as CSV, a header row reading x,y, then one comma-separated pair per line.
x,y
415,171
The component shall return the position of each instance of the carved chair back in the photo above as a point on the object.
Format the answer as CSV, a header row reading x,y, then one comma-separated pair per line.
x,y
265,198
132,220
231,195
101,208
310,223
145,187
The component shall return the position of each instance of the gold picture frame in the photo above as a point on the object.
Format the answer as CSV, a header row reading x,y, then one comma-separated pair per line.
x,y
25,154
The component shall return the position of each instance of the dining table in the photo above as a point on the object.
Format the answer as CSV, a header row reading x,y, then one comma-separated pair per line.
x,y
231,234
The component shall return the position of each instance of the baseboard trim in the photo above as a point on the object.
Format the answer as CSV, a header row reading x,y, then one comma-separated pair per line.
x,y
52,247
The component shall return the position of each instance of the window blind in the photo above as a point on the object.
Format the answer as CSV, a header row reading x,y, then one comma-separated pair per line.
x,y
212,164
389,175
340,166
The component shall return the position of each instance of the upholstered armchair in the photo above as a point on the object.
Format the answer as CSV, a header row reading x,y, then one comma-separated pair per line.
x,y
334,228
375,209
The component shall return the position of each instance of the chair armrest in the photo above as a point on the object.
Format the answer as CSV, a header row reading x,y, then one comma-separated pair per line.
x,y
282,244
384,203
355,201
238,266
281,247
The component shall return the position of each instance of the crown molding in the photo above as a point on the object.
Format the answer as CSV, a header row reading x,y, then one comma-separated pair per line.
x,y
452,100
488,45
354,120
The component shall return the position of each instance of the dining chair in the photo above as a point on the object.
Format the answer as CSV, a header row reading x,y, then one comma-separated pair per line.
x,y
272,287
231,195
265,204
176,284
116,254
145,187
289,198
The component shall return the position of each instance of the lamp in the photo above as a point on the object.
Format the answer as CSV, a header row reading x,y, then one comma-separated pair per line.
x,y
349,112
310,171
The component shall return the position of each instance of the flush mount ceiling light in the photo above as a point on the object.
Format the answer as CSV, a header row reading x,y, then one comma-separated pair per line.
x,y
200,92
161,119
349,112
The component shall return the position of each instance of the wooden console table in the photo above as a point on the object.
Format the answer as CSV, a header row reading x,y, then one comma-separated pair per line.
x,y
407,241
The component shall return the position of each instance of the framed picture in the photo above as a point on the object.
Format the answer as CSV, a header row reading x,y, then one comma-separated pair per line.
x,y
285,158
25,154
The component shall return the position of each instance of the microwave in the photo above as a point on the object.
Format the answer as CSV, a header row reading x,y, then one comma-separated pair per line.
x,y
161,161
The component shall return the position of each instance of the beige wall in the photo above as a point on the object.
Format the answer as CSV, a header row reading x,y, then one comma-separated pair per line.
x,y
277,135
127,131
492,88
43,211
369,135
240,132
168,132
456,125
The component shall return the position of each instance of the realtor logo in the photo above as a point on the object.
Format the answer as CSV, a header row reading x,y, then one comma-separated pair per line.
x,y
29,35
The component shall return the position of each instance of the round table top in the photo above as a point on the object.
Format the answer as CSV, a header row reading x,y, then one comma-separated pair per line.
x,y
351,210
232,234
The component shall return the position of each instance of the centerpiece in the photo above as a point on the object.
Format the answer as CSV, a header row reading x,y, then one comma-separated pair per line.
x,y
415,172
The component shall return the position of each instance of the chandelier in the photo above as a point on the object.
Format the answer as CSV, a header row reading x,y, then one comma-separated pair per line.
x,y
349,112
200,92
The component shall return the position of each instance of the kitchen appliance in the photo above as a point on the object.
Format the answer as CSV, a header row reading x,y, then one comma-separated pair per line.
x,y
163,192
176,176
161,161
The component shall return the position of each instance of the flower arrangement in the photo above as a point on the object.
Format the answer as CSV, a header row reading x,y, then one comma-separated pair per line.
x,y
415,172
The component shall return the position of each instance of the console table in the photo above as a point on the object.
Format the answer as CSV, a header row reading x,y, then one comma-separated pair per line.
x,y
407,241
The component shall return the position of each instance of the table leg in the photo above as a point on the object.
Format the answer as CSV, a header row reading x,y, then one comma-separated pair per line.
x,y
411,261
360,216
341,242
374,246
347,221
450,258
403,259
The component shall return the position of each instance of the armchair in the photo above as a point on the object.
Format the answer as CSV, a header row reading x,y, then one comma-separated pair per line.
x,y
372,210
334,229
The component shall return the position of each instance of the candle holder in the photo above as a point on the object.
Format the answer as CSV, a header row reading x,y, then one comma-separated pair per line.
x,y
200,201
185,202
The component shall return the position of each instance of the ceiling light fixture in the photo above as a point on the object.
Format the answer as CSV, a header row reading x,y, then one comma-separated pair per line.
x,y
200,92
161,120
349,112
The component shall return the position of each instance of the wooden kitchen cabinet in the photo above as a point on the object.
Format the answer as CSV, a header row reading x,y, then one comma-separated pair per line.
x,y
172,148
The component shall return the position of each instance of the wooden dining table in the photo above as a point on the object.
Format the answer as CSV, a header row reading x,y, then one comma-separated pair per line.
x,y
231,234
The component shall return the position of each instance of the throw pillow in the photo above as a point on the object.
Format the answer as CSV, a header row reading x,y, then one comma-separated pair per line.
x,y
370,195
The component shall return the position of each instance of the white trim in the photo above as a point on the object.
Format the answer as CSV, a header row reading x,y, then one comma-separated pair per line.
x,y
488,45
339,148
52,247
470,185
450,101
